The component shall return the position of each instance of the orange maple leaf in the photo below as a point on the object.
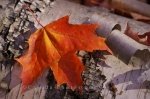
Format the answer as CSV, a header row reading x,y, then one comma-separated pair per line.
x,y
54,46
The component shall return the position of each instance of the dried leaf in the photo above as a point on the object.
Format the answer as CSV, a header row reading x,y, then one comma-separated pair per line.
x,y
54,46
143,39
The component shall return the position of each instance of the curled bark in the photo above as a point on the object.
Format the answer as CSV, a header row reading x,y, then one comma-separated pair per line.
x,y
124,47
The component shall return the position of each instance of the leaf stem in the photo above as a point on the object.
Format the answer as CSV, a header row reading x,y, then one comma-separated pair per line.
x,y
25,5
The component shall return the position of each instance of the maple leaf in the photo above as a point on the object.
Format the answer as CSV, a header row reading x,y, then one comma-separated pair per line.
x,y
54,46
143,39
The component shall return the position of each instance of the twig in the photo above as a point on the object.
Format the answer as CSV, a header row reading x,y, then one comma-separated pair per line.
x,y
26,6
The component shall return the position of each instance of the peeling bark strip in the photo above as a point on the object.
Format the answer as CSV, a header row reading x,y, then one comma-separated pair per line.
x,y
109,22
125,48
